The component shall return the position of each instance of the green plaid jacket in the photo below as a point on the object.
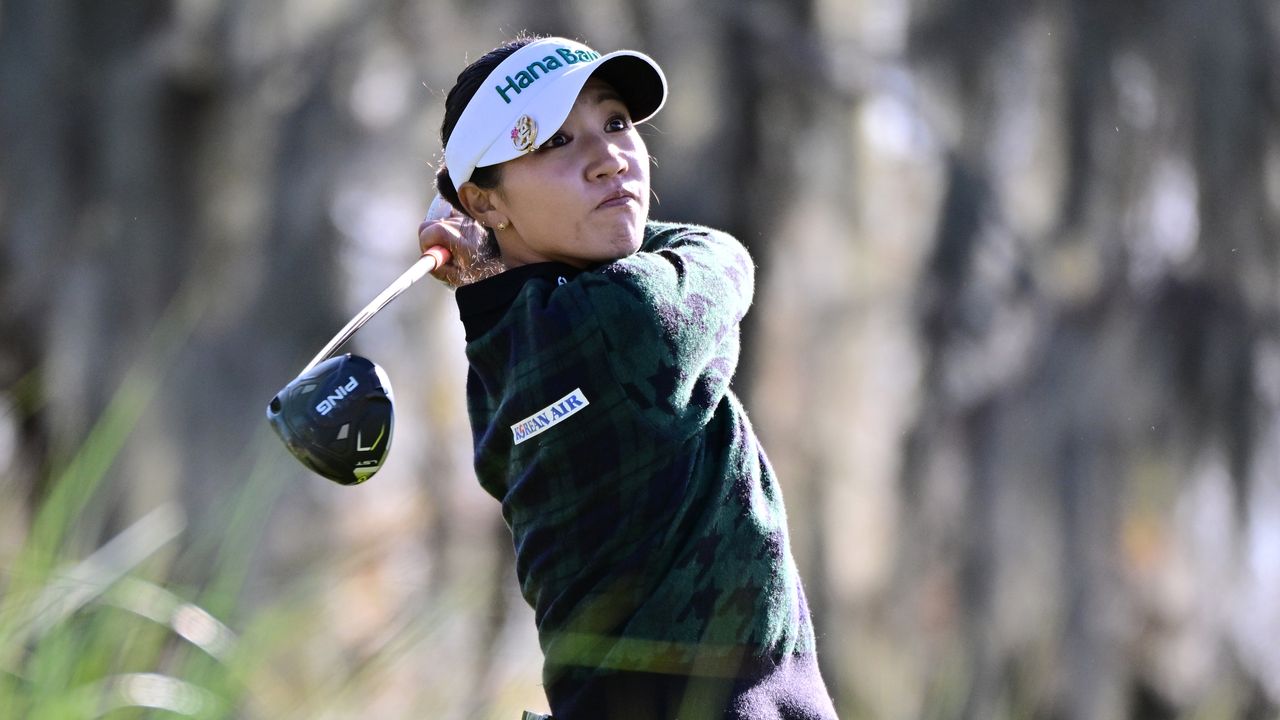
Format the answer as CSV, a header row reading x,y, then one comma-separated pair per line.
x,y
649,530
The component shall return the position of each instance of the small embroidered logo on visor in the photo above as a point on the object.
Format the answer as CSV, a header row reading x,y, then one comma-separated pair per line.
x,y
525,134
549,417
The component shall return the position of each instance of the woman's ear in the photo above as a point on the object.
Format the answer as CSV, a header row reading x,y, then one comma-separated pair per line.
x,y
478,202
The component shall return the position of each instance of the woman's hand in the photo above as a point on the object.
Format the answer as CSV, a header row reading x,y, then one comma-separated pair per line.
x,y
470,257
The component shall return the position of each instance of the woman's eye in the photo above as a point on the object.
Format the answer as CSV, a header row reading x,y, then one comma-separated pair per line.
x,y
556,141
617,124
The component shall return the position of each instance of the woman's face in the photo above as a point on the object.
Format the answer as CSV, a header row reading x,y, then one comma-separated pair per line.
x,y
582,197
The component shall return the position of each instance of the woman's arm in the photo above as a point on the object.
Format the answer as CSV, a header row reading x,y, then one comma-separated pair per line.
x,y
670,315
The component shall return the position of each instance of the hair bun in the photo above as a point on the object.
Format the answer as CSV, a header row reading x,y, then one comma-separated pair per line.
x,y
444,186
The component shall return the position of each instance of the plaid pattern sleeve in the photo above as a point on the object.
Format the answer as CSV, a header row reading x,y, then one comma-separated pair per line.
x,y
669,317
649,529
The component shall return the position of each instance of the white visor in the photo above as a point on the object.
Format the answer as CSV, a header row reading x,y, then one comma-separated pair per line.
x,y
526,99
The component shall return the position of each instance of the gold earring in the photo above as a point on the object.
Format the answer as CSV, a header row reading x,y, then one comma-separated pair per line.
x,y
502,225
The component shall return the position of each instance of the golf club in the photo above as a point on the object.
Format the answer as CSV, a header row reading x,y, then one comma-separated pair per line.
x,y
337,415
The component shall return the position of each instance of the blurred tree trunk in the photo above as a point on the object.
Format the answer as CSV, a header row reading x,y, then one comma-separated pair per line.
x,y
116,210
35,202
1092,376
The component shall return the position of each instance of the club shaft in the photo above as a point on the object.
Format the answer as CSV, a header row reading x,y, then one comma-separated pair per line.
x,y
432,259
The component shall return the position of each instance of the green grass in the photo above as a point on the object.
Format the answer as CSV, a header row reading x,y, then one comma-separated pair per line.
x,y
150,617
92,628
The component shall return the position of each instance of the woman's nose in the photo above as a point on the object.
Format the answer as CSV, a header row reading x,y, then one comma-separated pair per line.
x,y
608,158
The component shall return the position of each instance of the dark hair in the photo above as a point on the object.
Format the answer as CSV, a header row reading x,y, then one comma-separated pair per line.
x,y
464,89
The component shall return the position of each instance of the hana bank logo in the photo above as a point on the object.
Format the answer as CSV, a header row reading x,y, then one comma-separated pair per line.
x,y
538,69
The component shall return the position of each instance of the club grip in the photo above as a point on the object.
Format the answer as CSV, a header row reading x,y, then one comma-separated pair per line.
x,y
441,255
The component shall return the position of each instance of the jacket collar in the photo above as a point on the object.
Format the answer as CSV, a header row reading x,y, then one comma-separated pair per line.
x,y
482,304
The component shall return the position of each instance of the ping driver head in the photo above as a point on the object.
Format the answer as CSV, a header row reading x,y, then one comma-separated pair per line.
x,y
336,418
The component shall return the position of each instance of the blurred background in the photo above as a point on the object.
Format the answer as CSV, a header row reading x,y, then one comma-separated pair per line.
x,y
1015,351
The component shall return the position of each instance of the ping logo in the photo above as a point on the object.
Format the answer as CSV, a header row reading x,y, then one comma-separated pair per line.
x,y
330,402
549,417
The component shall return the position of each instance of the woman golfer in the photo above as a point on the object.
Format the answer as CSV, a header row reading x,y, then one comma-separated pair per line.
x,y
649,530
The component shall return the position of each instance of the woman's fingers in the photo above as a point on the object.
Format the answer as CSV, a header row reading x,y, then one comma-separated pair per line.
x,y
459,249
467,259
439,232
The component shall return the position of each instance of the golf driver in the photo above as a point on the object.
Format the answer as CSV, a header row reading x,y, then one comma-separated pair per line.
x,y
337,415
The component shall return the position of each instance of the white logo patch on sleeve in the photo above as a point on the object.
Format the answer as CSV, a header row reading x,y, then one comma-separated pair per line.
x,y
549,416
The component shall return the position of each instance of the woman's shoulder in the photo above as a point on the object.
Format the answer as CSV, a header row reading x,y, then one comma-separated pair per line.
x,y
655,229
659,235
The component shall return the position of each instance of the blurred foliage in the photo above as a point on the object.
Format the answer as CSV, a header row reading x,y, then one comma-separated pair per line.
x,y
1015,352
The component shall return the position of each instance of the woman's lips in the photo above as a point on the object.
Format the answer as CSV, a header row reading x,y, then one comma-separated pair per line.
x,y
618,199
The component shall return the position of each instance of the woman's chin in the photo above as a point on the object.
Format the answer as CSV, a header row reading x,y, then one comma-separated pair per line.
x,y
629,244
620,240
